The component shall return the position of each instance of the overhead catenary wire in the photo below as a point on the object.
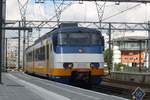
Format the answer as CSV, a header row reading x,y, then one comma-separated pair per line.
x,y
118,13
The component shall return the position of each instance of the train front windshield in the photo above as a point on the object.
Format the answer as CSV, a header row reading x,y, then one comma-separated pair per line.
x,y
79,39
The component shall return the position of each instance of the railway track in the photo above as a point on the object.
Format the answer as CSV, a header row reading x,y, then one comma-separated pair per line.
x,y
113,91
121,89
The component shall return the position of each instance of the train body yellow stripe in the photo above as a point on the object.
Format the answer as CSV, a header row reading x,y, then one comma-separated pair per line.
x,y
63,72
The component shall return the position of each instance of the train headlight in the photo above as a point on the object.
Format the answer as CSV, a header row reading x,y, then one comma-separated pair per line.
x,y
68,65
94,65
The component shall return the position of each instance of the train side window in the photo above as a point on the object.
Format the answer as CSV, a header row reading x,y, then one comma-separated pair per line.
x,y
41,55
33,55
26,56
29,57
37,53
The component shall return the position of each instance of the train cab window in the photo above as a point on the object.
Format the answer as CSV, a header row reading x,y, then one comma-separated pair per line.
x,y
95,39
78,39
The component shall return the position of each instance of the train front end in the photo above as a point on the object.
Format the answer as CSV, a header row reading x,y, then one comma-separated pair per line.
x,y
78,53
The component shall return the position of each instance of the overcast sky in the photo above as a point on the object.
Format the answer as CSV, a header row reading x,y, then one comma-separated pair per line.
x,y
83,12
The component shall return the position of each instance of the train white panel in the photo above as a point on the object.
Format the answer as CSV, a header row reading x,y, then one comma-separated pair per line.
x,y
79,58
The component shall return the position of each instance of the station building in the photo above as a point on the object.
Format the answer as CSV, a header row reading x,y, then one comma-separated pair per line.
x,y
130,51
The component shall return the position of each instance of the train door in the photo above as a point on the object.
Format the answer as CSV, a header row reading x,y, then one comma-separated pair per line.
x,y
25,69
49,58
33,61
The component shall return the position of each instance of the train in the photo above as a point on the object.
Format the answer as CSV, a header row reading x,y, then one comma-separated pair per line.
x,y
66,54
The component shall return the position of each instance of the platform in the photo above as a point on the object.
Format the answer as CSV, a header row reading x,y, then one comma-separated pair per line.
x,y
20,86
11,90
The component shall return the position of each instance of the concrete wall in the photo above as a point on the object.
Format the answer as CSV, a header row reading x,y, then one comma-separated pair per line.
x,y
143,78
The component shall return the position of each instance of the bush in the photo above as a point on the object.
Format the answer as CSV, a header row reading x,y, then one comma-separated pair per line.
x,y
119,66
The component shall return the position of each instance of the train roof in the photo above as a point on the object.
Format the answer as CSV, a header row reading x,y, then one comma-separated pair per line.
x,y
74,29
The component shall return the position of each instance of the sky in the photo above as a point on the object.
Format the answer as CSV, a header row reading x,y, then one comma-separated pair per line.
x,y
78,12
85,11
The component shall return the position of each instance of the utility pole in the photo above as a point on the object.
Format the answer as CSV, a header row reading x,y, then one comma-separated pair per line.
x,y
24,41
3,32
109,63
149,46
19,46
2,21
6,53
140,56
28,39
1,37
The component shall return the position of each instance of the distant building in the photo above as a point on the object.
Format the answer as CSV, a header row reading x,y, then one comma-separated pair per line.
x,y
12,59
130,51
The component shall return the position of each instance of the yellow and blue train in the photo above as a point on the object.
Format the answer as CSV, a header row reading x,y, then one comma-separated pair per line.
x,y
68,53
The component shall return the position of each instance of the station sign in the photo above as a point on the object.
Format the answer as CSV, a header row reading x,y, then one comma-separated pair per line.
x,y
138,94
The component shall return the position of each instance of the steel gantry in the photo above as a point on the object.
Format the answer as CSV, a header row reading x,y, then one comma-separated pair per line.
x,y
120,26
136,1
23,9
100,11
